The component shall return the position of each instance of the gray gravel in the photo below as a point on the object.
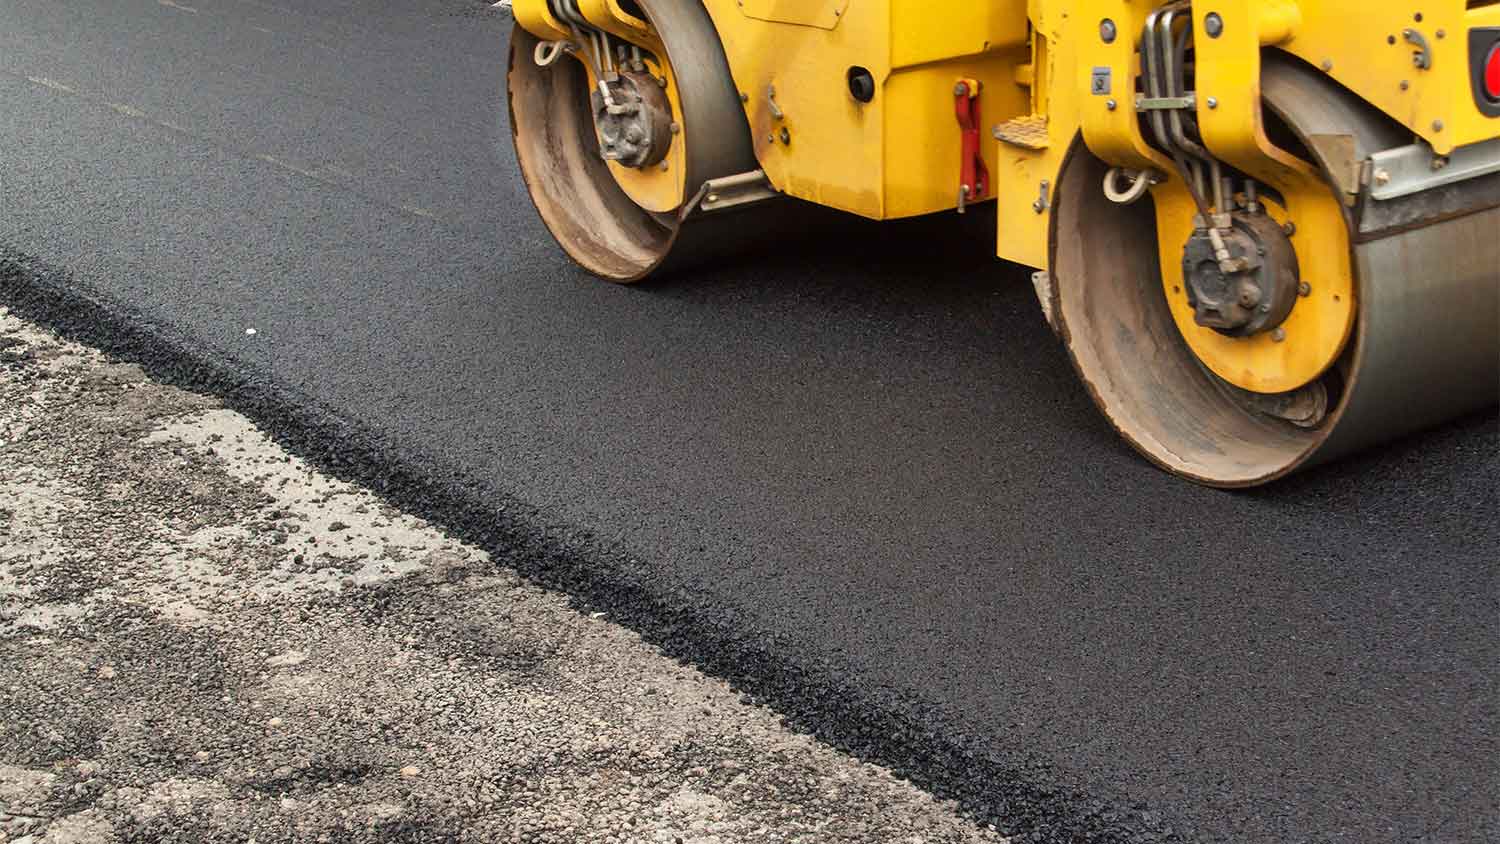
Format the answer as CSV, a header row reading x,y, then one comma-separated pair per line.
x,y
204,639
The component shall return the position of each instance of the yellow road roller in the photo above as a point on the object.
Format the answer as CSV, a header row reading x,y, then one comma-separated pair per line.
x,y
1267,231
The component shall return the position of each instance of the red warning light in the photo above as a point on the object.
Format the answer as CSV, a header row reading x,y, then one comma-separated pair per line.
x,y
1492,73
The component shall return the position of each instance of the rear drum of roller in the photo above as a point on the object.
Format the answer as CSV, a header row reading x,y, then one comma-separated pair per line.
x,y
578,198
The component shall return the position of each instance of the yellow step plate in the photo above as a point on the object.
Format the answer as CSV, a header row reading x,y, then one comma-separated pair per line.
x,y
1029,132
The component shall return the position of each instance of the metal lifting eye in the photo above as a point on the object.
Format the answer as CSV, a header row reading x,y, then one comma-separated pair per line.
x,y
1139,180
547,52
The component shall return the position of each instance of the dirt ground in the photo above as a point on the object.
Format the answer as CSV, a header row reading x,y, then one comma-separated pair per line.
x,y
203,639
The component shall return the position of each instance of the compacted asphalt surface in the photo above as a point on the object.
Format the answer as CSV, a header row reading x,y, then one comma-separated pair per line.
x,y
855,475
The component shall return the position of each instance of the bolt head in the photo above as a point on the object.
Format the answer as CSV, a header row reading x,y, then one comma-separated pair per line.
x,y
1382,176
1278,334
1437,125
1304,289
1110,105
1213,102
786,136
1327,65
1213,25
1107,31
1289,229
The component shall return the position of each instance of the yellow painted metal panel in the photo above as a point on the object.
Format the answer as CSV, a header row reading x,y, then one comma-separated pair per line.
x,y
1111,126
923,31
662,187
898,155
1369,53
611,17
1317,328
1228,77
534,17
834,148
922,139
824,14
1023,176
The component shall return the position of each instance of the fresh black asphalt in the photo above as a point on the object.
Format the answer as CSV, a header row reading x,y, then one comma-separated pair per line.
x,y
855,475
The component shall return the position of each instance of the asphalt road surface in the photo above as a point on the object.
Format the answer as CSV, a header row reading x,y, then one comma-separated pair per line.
x,y
855,477
239,648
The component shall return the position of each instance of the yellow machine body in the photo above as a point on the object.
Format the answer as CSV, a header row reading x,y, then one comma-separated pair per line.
x,y
897,155
1054,77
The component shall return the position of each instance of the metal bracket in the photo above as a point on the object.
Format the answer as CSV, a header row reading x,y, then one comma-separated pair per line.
x,y
1042,281
776,111
1145,103
730,191
1414,168
1421,58
1041,202
1340,157
973,174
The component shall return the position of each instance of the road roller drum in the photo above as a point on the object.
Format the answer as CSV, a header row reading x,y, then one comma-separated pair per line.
x,y
1267,233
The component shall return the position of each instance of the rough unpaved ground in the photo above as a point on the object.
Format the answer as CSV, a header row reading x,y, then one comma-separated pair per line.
x,y
203,639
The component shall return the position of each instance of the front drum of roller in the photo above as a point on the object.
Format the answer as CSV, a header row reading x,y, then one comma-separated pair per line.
x,y
1425,345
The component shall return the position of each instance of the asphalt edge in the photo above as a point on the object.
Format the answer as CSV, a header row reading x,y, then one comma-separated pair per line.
x,y
1023,798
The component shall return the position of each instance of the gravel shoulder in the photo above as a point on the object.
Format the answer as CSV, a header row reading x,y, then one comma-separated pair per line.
x,y
204,639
